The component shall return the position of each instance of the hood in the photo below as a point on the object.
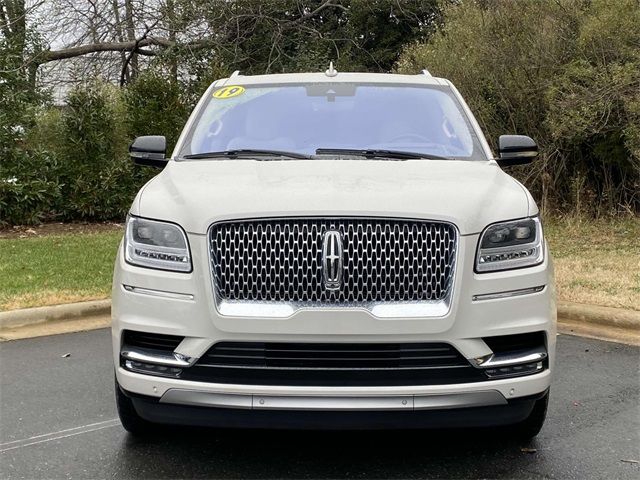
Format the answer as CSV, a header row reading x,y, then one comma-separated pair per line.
x,y
197,193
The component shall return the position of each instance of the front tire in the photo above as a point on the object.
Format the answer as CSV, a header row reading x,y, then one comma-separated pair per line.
x,y
531,426
131,421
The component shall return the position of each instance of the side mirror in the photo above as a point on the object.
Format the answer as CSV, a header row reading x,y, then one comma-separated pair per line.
x,y
149,150
516,150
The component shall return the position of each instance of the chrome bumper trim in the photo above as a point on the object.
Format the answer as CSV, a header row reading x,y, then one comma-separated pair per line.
x,y
158,293
333,403
437,308
167,359
509,359
508,293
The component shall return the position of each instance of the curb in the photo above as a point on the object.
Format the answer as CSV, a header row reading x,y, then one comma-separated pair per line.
x,y
603,316
601,323
68,311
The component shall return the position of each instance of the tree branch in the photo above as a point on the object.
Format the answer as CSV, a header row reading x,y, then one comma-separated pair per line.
x,y
307,16
71,52
129,46
133,51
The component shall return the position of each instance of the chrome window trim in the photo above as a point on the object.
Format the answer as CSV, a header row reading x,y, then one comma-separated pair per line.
x,y
384,310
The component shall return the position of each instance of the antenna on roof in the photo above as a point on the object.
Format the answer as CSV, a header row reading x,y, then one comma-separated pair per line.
x,y
331,72
426,73
235,74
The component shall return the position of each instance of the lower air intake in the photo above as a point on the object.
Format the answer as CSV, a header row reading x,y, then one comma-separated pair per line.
x,y
353,364
150,341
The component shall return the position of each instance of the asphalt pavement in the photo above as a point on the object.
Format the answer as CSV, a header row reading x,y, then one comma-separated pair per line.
x,y
58,420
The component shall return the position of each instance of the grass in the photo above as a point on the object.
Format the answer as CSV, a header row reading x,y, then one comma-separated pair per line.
x,y
56,269
597,262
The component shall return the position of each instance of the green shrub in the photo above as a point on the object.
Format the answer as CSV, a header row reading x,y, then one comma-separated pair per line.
x,y
27,197
567,73
96,173
154,105
72,162
594,105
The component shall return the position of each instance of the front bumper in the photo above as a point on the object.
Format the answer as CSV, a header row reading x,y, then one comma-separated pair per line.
x,y
445,415
285,397
191,313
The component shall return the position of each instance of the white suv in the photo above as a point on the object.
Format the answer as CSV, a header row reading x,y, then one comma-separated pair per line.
x,y
333,250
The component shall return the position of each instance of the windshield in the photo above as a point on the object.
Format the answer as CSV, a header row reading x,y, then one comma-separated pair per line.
x,y
302,119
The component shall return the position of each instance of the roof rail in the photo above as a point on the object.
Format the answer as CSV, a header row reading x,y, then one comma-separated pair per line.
x,y
235,74
426,73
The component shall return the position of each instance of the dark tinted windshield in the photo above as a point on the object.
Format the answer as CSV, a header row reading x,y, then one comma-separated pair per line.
x,y
304,118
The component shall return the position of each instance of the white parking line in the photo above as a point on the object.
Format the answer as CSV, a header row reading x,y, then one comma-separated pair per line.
x,y
48,437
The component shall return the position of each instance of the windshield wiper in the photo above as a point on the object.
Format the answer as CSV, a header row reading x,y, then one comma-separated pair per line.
x,y
247,152
377,153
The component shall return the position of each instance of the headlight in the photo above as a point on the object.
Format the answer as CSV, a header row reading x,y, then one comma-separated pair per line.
x,y
508,245
153,244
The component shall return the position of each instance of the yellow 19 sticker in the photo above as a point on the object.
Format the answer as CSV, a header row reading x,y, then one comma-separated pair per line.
x,y
228,92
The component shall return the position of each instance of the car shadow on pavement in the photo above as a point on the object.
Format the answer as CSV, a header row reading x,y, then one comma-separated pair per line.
x,y
327,454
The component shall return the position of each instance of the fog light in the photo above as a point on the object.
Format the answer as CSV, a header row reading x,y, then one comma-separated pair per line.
x,y
514,370
150,369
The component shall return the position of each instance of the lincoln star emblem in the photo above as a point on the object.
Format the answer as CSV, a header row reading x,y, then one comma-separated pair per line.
x,y
332,260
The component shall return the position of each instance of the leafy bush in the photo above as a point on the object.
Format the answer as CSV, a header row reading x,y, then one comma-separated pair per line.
x,y
81,170
25,192
97,175
27,197
594,106
565,72
72,164
154,106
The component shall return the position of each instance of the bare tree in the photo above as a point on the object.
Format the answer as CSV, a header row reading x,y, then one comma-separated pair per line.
x,y
115,39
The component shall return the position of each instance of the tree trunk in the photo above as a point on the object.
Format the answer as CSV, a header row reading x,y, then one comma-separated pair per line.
x,y
131,36
120,38
171,21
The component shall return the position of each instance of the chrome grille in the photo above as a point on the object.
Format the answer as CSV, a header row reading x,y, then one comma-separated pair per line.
x,y
384,260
